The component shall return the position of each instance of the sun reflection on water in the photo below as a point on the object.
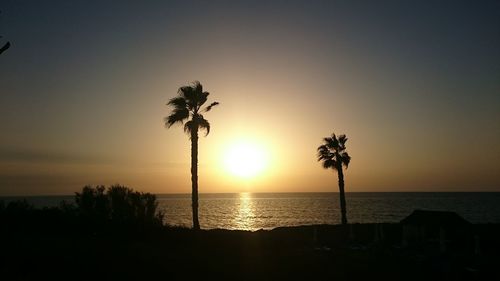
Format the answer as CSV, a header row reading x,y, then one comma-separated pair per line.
x,y
245,217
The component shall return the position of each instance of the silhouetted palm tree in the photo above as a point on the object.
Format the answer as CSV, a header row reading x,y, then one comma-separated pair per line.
x,y
333,155
188,106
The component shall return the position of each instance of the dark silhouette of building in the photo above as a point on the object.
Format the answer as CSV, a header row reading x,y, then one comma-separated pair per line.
x,y
431,228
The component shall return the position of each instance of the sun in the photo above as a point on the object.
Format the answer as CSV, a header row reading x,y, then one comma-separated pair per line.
x,y
245,160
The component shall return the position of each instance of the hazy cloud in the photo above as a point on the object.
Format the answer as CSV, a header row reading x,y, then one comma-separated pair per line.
x,y
9,154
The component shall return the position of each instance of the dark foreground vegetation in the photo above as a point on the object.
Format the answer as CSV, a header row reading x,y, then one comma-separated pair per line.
x,y
117,234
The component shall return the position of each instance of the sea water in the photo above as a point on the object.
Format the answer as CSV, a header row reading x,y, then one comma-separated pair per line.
x,y
253,211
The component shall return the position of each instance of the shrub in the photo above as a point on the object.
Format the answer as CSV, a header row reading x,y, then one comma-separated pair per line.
x,y
118,204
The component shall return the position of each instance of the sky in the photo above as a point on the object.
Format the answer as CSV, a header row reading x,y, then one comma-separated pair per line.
x,y
415,86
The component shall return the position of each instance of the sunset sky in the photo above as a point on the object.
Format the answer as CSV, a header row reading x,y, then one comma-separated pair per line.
x,y
415,85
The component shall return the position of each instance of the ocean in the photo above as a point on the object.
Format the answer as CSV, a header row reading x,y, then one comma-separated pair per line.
x,y
253,211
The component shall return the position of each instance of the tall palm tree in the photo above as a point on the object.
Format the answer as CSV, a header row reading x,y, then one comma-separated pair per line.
x,y
333,155
187,106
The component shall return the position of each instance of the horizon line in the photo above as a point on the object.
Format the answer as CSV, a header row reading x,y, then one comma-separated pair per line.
x,y
280,192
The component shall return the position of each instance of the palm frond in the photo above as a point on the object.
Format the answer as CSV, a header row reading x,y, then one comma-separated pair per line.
x,y
322,147
346,159
204,124
324,153
334,142
178,115
208,108
327,164
189,102
332,152
342,140
177,102
187,92
202,98
324,157
188,127
199,97
197,87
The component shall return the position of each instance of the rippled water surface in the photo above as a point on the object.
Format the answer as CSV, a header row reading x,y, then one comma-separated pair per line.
x,y
269,210
252,211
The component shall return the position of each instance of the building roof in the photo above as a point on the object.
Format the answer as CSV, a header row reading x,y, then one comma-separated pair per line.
x,y
434,218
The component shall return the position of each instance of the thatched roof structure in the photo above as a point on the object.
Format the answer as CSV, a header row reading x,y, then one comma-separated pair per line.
x,y
434,218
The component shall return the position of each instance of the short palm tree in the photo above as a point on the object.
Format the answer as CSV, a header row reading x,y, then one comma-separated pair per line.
x,y
187,106
333,155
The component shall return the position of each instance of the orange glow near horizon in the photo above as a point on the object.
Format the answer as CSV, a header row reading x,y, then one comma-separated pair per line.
x,y
406,103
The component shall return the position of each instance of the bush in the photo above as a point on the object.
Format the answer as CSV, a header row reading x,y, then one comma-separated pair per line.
x,y
118,204
19,206
97,210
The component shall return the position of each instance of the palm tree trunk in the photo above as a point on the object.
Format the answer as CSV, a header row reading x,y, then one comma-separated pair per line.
x,y
343,208
194,177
